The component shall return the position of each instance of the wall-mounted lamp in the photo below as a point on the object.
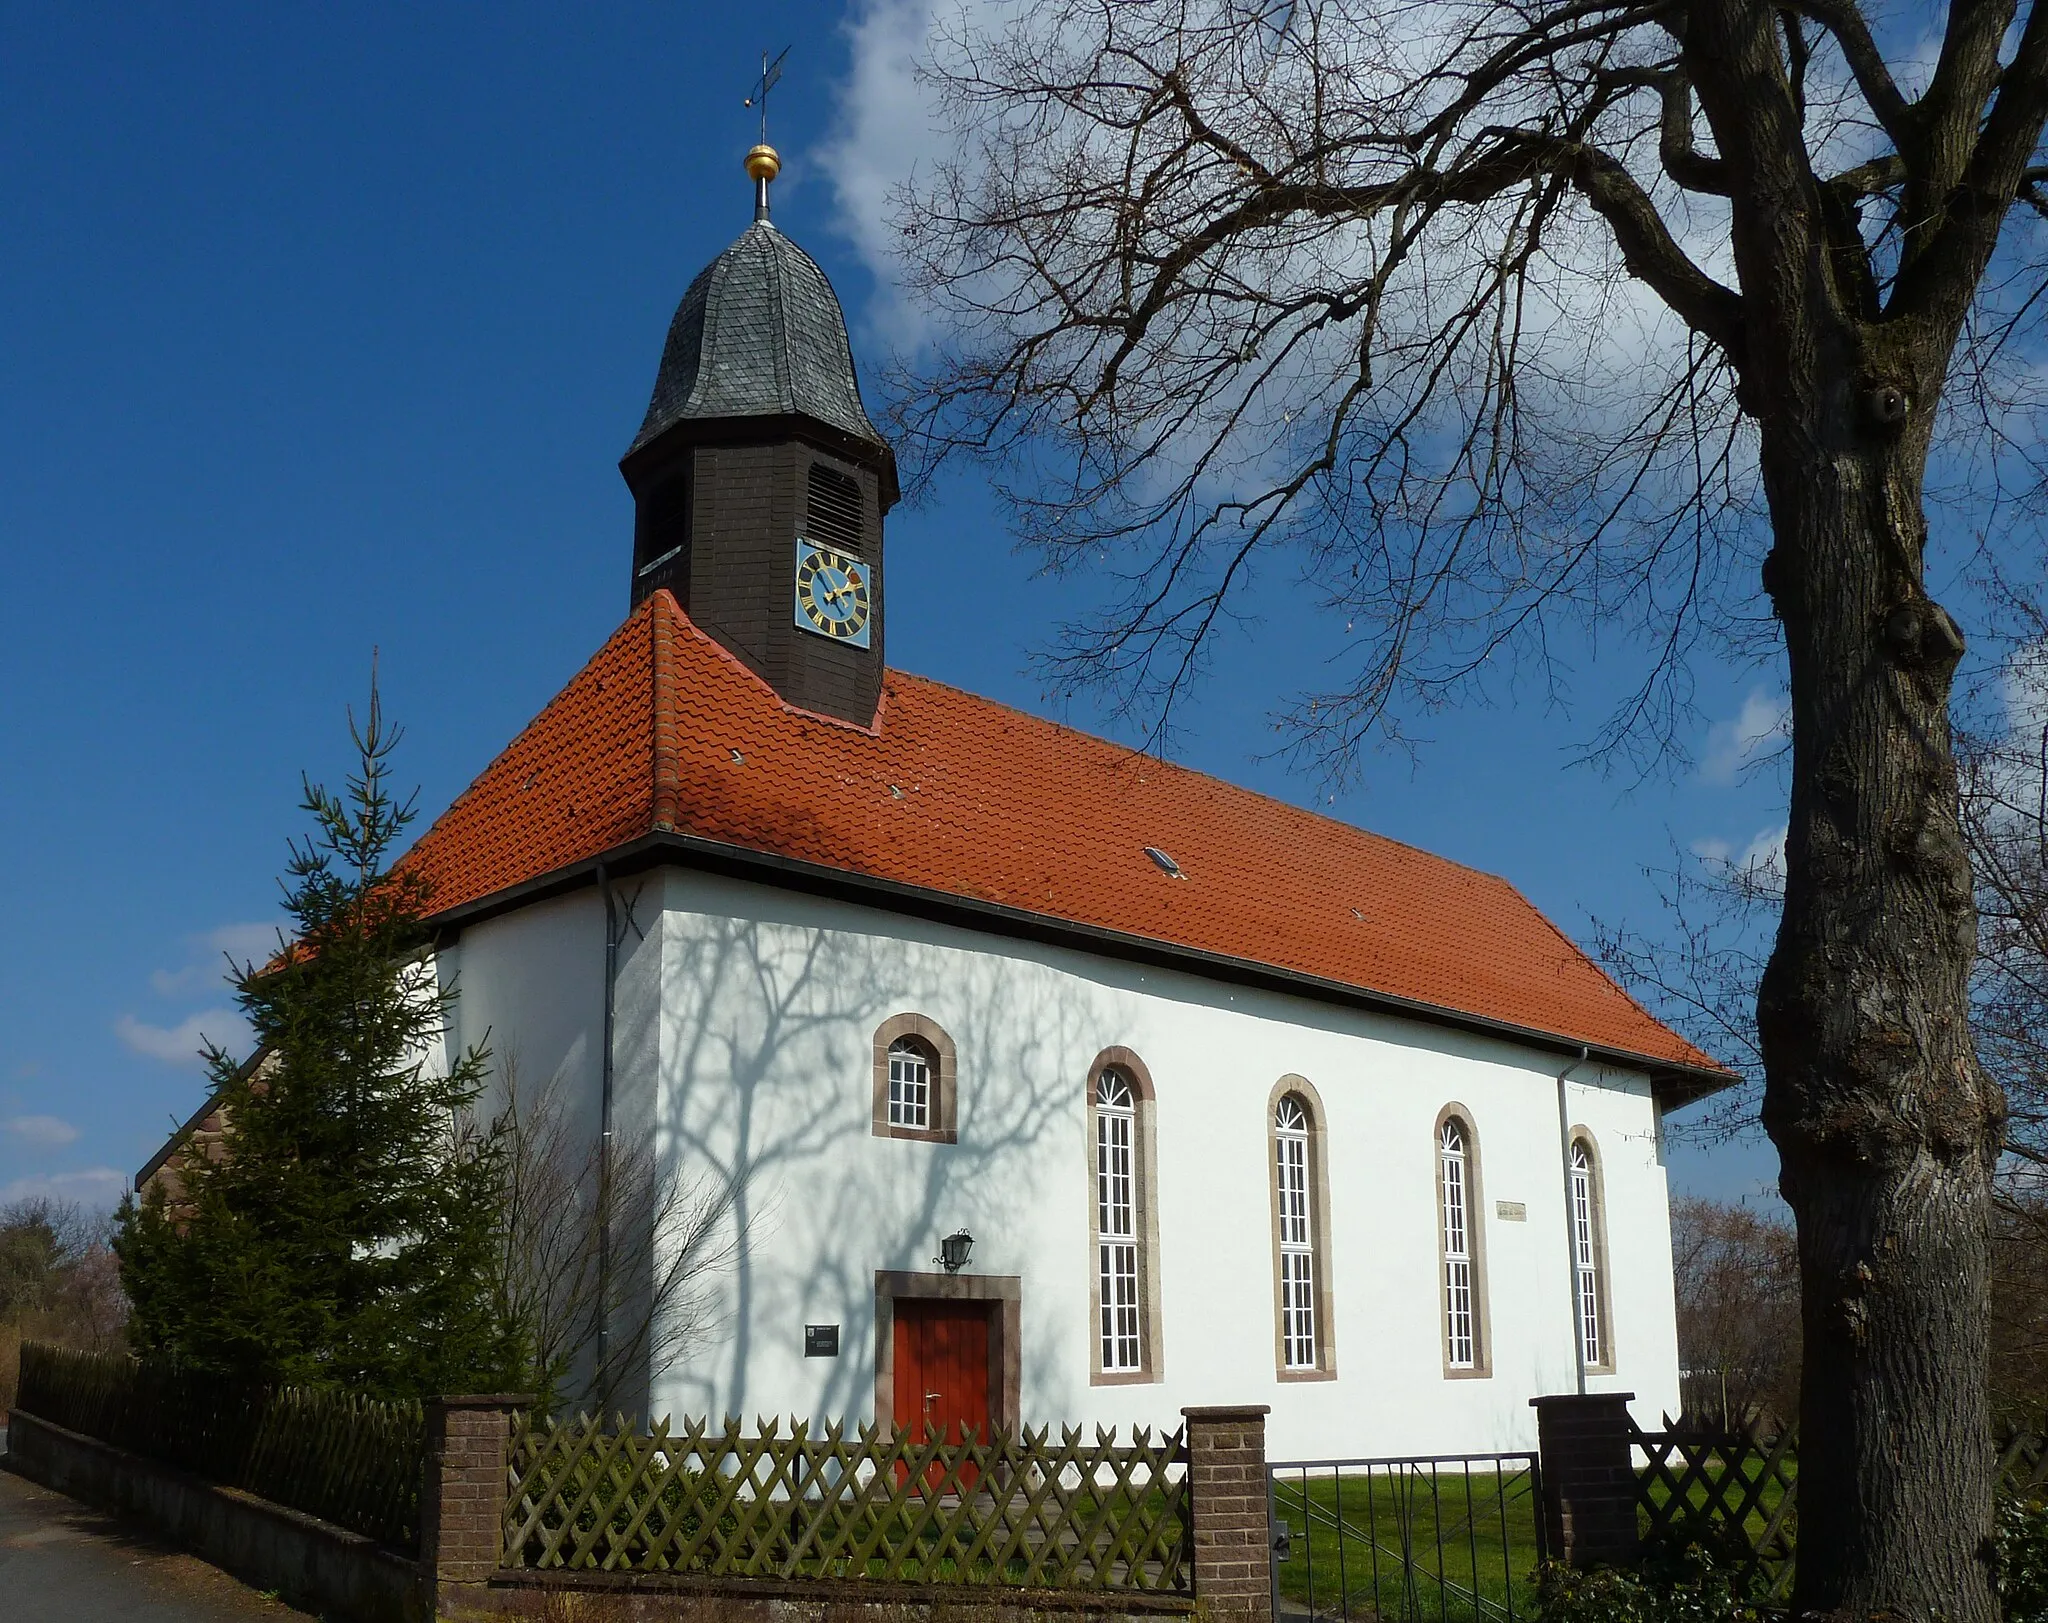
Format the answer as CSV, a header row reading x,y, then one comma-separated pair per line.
x,y
954,1250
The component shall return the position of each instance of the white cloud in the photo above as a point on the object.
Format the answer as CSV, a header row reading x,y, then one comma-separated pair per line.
x,y
884,125
43,1131
207,954
94,1186
1761,861
2023,685
1581,320
1733,745
180,1044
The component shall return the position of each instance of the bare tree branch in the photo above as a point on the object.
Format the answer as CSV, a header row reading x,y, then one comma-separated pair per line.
x,y
1845,22
1433,307
671,1242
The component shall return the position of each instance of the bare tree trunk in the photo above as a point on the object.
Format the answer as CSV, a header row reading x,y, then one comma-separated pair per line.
x,y
1886,1125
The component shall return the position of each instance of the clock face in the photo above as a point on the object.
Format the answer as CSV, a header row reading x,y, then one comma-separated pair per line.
x,y
835,594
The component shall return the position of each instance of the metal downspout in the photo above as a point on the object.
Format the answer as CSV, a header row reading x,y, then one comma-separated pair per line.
x,y
1571,1247
604,1137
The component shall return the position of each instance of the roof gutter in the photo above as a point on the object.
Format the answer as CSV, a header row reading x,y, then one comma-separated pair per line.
x,y
1673,1084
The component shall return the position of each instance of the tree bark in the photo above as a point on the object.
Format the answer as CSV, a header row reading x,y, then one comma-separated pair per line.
x,y
1886,1126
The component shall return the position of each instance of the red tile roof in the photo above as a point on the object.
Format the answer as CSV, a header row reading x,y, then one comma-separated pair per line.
x,y
665,730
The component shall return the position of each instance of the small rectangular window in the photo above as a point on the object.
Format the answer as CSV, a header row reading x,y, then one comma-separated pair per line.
x,y
1298,1309
1119,1290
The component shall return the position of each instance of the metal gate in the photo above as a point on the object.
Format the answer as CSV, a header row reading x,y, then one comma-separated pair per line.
x,y
1448,1538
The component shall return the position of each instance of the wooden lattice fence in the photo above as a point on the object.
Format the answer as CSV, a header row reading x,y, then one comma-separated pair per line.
x,y
1736,1492
347,1459
1023,1510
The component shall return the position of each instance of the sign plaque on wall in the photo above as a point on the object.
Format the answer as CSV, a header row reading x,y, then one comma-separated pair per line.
x,y
1511,1211
821,1341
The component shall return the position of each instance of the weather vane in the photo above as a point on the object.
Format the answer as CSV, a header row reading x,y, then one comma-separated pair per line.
x,y
770,72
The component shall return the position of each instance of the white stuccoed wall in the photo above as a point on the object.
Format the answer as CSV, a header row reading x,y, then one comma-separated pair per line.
x,y
743,1036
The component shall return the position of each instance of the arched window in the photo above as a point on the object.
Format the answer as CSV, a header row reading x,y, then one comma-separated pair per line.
x,y
1458,1232
1297,1236
915,1093
1589,1259
1300,1209
1116,1221
910,1084
1124,1234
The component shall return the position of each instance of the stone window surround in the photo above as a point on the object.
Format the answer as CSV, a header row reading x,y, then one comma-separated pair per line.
x,y
1145,1163
1319,1229
944,1107
1597,1182
1475,1244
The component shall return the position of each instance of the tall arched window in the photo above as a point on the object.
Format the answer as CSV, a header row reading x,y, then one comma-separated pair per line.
x,y
1116,1221
1589,1259
1124,1233
1297,1236
1300,1215
1461,1298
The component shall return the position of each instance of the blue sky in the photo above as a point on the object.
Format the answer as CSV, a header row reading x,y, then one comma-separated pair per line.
x,y
323,331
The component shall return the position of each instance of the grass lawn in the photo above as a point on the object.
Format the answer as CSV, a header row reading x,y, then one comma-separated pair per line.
x,y
1418,1543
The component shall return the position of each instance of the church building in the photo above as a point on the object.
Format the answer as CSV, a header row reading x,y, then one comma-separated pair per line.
x,y
1051,1082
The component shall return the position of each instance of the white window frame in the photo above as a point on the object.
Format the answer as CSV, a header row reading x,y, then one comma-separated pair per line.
x,y
1461,1303
1300,1345
1119,1229
1595,1335
912,1076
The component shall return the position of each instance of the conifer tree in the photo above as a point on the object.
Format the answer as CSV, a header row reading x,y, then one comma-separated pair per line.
x,y
346,1235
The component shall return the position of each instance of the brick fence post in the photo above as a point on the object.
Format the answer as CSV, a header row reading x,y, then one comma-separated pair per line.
x,y
462,1494
1589,1478
1228,1512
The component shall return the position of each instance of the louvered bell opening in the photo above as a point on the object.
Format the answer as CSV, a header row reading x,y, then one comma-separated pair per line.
x,y
661,541
834,516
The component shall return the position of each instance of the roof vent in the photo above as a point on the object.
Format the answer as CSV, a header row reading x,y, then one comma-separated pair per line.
x,y
1165,863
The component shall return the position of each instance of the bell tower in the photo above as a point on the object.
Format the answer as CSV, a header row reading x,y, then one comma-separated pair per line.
x,y
759,484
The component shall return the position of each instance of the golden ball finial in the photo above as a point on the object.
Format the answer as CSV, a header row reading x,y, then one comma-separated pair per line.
x,y
764,163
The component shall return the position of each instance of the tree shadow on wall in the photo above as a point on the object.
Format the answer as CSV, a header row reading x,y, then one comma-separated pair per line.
x,y
766,1081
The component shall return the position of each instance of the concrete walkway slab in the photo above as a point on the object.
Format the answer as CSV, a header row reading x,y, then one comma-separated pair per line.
x,y
64,1562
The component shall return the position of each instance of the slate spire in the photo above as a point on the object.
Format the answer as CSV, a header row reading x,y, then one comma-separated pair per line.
x,y
756,438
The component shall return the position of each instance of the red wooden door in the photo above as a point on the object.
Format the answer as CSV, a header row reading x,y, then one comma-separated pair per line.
x,y
942,1372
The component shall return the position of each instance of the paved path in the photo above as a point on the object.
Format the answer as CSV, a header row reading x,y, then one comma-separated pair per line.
x,y
63,1562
